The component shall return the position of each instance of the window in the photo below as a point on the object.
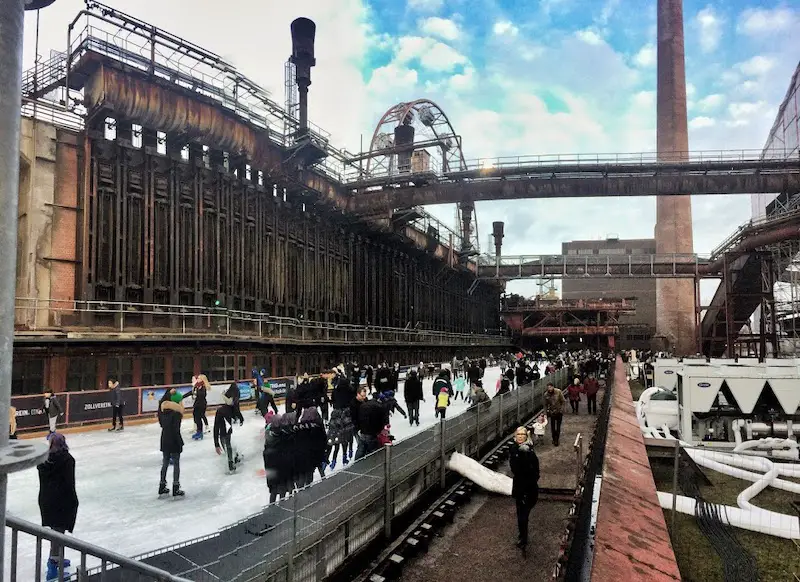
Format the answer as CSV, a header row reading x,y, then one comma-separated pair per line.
x,y
585,251
153,371
182,369
615,251
218,368
243,372
27,376
263,361
121,369
82,374
572,251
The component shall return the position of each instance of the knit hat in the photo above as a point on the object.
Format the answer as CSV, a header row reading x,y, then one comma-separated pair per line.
x,y
177,397
268,416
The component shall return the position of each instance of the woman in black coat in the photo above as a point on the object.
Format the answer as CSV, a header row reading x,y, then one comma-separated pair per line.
x,y
525,467
58,500
170,415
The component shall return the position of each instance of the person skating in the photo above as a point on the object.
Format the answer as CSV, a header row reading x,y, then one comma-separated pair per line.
x,y
223,429
369,376
310,447
395,378
117,404
554,407
442,381
412,392
460,388
591,386
372,417
442,402
383,379
525,489
58,498
574,392
390,402
278,454
170,414
199,395
52,409
266,399
340,428
503,386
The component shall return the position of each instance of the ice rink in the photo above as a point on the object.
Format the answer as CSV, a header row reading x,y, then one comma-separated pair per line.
x,y
117,478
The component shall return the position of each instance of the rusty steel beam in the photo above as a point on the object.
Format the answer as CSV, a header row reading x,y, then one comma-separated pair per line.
x,y
571,330
578,270
569,186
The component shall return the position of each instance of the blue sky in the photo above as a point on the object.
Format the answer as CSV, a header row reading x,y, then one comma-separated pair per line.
x,y
515,78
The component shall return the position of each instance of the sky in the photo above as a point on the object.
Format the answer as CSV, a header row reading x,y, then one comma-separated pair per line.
x,y
515,78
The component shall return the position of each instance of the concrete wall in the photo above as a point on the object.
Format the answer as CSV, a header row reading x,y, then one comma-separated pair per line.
x,y
47,221
634,328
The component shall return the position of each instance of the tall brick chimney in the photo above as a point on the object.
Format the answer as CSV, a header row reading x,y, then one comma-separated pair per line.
x,y
673,233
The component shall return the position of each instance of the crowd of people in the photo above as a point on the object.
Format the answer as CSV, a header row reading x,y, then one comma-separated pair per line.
x,y
330,420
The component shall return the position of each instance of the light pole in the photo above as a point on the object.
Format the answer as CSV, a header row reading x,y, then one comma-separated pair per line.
x,y
18,455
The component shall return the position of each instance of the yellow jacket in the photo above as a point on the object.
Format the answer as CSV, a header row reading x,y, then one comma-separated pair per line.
x,y
443,400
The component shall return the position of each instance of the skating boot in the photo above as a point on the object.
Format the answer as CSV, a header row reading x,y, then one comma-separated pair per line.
x,y
231,468
121,428
112,429
333,463
52,570
198,436
177,491
162,489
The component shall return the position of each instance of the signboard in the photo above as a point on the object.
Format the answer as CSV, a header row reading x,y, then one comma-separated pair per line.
x,y
30,410
280,386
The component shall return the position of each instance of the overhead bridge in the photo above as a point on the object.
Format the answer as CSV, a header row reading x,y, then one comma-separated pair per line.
x,y
574,176
507,268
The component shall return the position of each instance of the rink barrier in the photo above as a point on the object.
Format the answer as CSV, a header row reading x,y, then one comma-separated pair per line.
x,y
106,558
328,527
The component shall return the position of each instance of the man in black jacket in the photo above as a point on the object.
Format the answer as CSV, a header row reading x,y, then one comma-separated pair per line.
x,y
412,391
223,429
370,419
170,414
383,379
525,490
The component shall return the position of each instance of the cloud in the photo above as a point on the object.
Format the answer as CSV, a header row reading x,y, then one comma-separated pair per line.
x,y
589,37
710,102
710,26
443,28
756,66
504,27
425,5
646,57
431,54
763,21
700,122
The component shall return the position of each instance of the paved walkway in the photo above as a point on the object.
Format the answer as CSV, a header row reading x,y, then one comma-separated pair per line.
x,y
480,545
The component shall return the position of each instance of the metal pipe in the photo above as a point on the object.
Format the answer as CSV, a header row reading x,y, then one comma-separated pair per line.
x,y
751,243
12,20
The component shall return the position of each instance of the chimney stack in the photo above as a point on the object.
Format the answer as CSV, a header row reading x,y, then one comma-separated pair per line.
x,y
497,233
303,33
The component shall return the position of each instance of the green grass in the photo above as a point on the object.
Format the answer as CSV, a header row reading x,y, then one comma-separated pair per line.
x,y
778,559
636,389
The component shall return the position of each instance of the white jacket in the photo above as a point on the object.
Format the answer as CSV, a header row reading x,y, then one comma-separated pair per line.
x,y
538,427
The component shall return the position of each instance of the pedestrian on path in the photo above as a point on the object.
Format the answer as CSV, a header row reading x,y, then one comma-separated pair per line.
x,y
574,392
591,386
554,406
525,489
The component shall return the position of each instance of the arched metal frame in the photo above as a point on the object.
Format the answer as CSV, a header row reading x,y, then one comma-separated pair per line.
x,y
434,134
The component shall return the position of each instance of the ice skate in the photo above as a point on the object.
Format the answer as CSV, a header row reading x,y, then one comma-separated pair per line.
x,y
177,491
121,428
332,464
162,489
112,429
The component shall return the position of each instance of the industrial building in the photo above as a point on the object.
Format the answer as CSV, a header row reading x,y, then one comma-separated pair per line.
x,y
637,329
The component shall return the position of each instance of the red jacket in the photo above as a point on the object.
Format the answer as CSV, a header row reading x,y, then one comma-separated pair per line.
x,y
591,386
574,391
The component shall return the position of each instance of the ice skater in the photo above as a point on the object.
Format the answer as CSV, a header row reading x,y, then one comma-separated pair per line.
x,y
340,428
58,499
170,414
442,402
412,392
53,410
223,429
199,396
460,388
117,404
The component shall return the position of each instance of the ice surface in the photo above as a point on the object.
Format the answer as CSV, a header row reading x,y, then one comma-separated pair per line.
x,y
117,478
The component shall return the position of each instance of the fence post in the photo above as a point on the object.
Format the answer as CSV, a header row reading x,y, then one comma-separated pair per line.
x,y
293,546
578,446
518,405
477,428
442,462
675,487
387,491
500,416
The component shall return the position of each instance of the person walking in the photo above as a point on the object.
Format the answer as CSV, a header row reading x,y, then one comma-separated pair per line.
x,y
53,410
591,386
170,414
58,499
412,392
117,404
538,429
525,489
554,407
370,417
574,392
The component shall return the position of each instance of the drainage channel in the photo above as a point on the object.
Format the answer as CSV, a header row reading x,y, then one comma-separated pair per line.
x,y
416,539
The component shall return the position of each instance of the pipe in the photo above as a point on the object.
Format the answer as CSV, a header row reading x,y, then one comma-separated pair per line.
x,y
12,21
751,243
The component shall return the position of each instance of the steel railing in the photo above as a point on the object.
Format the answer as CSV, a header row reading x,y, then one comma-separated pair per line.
x,y
90,556
105,317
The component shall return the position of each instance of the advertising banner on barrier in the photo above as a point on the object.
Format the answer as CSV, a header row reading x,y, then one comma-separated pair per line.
x,y
280,386
30,410
90,405
152,396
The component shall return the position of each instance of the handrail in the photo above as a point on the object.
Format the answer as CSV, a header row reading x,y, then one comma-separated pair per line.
x,y
228,315
86,549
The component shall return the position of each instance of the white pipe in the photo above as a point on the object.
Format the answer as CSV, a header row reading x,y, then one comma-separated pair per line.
x,y
755,519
